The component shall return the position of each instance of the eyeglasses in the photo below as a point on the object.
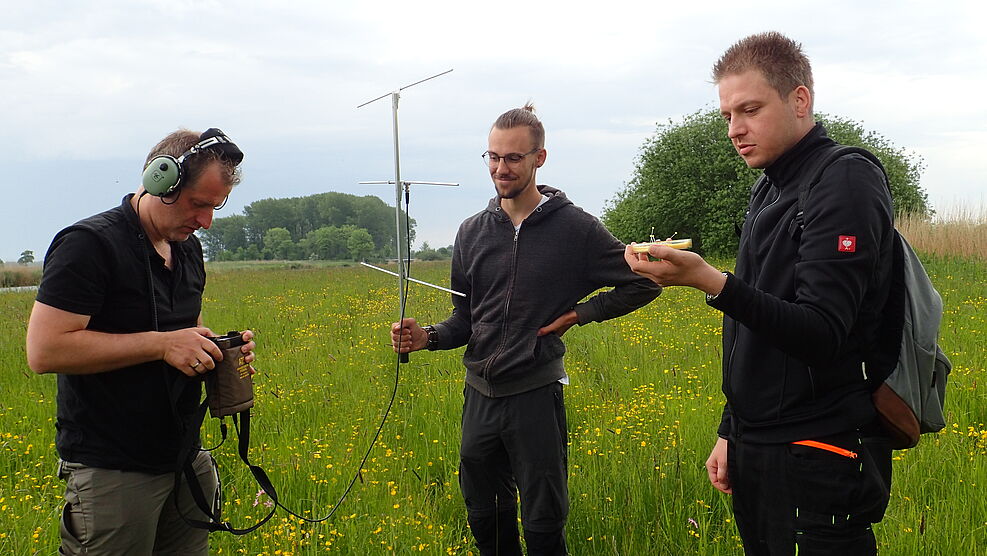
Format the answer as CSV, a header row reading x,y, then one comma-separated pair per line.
x,y
493,159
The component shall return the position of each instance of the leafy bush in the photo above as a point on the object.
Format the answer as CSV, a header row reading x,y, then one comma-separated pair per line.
x,y
689,180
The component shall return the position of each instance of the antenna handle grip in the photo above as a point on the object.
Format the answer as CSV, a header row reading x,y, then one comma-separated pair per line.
x,y
403,357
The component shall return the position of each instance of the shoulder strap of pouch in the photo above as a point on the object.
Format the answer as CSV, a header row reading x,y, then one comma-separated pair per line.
x,y
184,468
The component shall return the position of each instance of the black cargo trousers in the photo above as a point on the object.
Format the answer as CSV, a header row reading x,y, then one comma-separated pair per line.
x,y
816,497
511,446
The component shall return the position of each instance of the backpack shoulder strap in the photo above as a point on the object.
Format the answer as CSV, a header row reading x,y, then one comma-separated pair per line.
x,y
815,173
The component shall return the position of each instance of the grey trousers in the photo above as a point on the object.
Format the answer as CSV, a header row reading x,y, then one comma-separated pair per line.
x,y
113,512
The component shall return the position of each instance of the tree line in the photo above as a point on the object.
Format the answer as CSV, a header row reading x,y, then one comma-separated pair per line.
x,y
324,226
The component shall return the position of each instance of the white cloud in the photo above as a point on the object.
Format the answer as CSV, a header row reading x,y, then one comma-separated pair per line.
x,y
93,85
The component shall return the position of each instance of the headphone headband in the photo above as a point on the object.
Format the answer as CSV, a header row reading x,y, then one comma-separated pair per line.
x,y
163,175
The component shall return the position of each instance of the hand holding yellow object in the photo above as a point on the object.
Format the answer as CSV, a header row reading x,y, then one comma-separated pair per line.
x,y
673,243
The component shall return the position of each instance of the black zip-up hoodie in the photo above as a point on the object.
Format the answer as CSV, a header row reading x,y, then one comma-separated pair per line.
x,y
516,283
799,313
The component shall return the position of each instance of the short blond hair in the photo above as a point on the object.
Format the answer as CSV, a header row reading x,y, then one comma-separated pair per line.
x,y
779,59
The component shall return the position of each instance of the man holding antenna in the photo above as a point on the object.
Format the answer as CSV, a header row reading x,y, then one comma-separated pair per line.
x,y
799,446
118,318
524,263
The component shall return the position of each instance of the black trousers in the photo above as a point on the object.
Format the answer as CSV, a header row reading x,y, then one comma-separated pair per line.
x,y
515,445
794,499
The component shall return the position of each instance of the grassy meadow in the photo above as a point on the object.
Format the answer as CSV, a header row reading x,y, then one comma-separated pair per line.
x,y
642,409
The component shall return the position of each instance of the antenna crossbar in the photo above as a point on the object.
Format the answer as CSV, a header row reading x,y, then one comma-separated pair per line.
x,y
396,91
410,279
391,182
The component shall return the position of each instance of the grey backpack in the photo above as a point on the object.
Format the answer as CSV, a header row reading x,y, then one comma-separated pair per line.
x,y
907,368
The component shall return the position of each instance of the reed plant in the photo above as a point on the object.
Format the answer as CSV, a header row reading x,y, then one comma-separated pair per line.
x,y
959,230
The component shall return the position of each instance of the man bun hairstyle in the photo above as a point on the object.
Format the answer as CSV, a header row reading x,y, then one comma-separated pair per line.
x,y
179,142
524,116
779,59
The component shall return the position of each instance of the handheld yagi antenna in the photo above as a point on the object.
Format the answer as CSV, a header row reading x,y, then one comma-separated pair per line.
x,y
403,249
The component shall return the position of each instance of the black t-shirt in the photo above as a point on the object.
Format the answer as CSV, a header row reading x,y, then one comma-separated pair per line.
x,y
101,267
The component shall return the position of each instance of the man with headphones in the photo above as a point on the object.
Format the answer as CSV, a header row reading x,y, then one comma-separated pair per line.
x,y
118,318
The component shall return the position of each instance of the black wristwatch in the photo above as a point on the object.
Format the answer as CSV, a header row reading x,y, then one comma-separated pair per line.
x,y
433,338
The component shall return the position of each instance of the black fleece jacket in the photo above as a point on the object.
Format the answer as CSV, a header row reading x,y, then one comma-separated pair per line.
x,y
800,312
516,283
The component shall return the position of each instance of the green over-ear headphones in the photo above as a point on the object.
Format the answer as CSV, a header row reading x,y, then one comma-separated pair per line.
x,y
163,174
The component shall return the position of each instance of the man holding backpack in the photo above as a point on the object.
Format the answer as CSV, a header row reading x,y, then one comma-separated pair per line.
x,y
800,446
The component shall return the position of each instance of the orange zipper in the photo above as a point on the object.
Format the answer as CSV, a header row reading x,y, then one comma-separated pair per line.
x,y
828,447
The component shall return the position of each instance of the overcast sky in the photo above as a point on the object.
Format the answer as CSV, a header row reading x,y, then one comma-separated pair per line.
x,y
89,87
